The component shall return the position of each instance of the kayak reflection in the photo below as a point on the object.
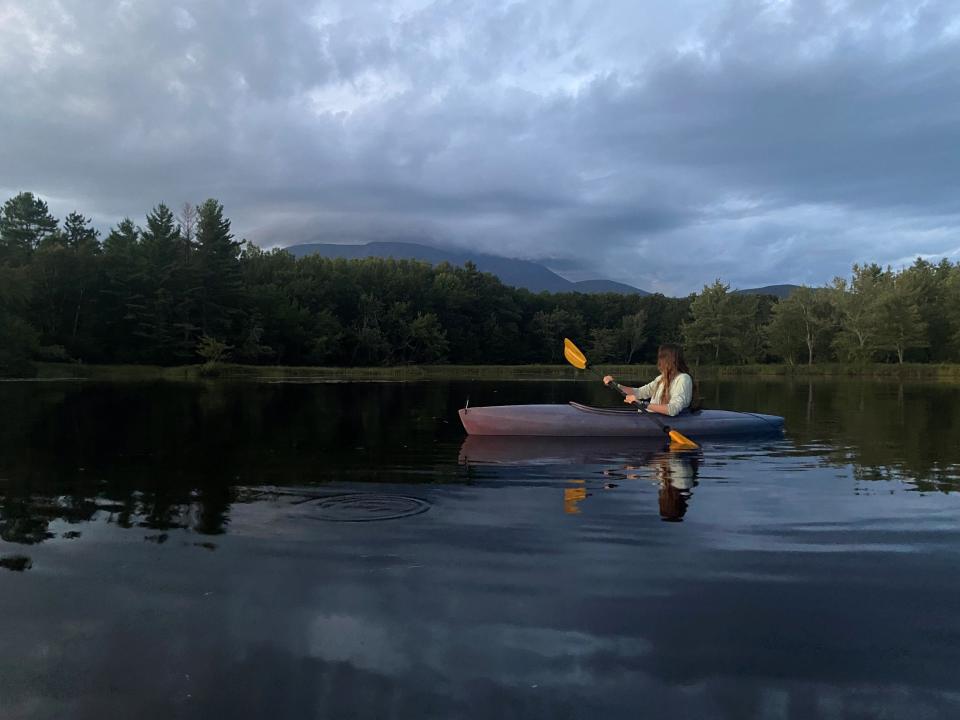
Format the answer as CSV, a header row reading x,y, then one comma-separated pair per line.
x,y
625,459
532,450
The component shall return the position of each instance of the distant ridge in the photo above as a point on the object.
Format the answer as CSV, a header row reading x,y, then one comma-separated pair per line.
x,y
780,291
511,271
518,273
607,286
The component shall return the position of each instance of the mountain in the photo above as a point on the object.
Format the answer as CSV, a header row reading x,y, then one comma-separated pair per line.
x,y
519,273
606,286
780,291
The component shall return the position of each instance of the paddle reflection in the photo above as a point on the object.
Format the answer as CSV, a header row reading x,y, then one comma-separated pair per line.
x,y
573,496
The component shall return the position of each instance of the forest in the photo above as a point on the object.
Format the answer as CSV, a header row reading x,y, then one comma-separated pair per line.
x,y
182,289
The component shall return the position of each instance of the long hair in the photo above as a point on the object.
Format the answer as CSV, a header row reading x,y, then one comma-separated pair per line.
x,y
673,500
673,503
671,363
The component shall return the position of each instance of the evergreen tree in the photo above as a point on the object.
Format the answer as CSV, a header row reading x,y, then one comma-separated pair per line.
x,y
83,246
18,340
65,271
79,236
122,298
122,240
218,256
160,240
157,331
25,222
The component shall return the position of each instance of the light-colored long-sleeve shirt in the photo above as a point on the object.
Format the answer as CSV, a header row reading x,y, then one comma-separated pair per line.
x,y
681,393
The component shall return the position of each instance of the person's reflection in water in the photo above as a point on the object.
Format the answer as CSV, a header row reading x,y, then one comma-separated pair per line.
x,y
677,474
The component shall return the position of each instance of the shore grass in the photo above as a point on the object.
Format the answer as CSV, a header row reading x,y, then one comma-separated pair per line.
x,y
228,371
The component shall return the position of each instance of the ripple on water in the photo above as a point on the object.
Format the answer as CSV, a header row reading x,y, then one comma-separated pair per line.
x,y
365,507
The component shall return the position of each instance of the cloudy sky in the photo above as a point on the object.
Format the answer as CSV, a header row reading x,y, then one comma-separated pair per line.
x,y
661,144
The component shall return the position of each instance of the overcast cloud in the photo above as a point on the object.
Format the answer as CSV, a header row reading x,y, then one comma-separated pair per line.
x,y
660,144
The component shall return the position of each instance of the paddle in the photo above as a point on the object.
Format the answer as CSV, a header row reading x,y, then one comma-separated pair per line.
x,y
576,358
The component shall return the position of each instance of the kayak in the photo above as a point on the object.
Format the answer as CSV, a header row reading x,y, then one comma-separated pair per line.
x,y
576,420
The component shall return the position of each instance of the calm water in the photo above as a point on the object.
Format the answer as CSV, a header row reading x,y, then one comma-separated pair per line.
x,y
338,550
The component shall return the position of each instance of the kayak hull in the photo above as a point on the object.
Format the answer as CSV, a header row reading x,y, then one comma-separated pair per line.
x,y
576,420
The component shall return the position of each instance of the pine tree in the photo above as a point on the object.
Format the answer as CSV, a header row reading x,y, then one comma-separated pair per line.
x,y
218,255
160,244
18,340
82,244
122,240
161,240
25,222
79,236
122,298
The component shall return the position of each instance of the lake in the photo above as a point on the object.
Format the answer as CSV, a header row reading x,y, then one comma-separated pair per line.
x,y
303,549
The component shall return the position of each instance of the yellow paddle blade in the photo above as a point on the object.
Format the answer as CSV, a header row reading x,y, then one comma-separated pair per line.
x,y
573,355
680,441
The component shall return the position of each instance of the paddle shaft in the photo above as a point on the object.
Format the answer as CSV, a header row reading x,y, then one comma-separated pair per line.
x,y
641,409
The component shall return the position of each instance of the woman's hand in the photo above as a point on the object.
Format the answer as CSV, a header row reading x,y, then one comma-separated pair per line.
x,y
607,379
630,399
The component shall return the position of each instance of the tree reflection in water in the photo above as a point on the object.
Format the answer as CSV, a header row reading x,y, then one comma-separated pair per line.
x,y
168,456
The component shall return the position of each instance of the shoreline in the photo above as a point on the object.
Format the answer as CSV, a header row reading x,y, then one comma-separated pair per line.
x,y
408,373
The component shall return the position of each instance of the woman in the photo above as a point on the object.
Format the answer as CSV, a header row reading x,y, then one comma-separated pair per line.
x,y
671,392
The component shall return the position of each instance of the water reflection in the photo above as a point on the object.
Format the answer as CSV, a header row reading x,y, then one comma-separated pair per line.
x,y
170,456
169,551
883,428
674,472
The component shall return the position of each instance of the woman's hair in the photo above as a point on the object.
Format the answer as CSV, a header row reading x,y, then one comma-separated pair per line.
x,y
673,503
671,363
673,500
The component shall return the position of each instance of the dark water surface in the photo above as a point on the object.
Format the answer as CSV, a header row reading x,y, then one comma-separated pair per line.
x,y
250,550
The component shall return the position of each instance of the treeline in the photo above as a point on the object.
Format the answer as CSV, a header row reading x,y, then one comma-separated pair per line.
x,y
877,315
181,288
